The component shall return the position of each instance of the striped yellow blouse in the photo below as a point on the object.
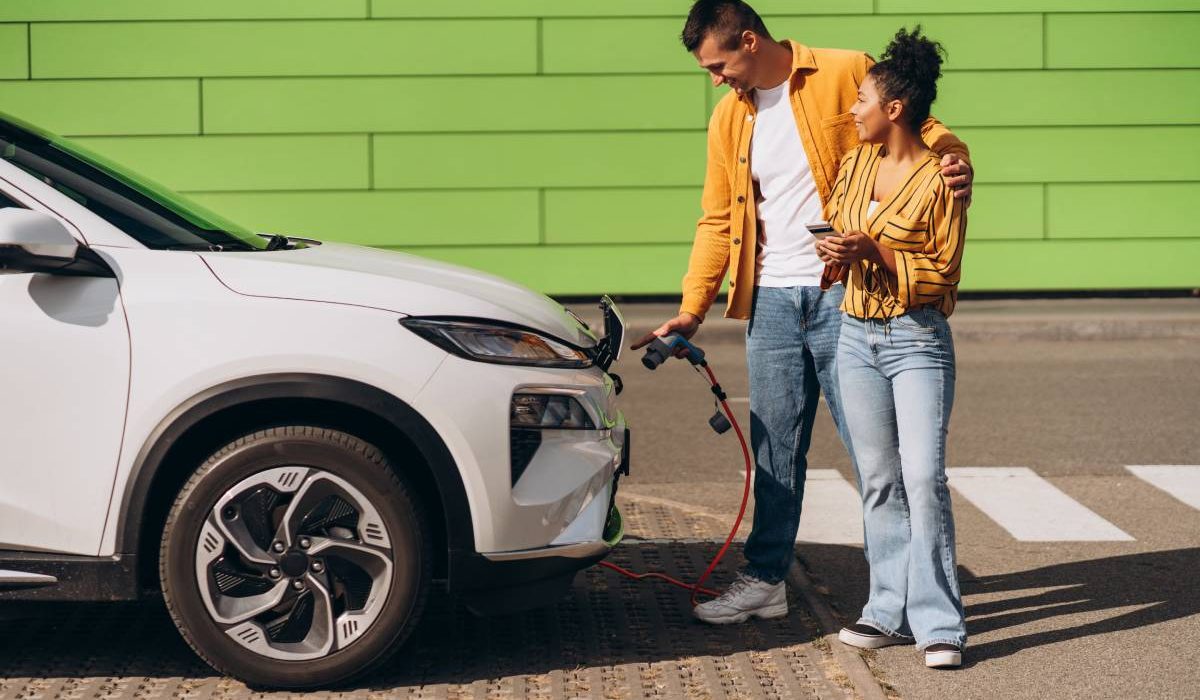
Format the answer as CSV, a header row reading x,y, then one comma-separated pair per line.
x,y
921,220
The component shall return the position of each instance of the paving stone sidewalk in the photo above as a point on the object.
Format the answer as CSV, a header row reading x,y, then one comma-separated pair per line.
x,y
610,638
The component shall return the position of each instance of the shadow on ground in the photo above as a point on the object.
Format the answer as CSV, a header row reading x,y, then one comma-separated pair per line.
x,y
1160,586
606,620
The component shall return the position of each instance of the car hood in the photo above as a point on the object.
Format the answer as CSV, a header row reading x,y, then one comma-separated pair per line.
x,y
406,284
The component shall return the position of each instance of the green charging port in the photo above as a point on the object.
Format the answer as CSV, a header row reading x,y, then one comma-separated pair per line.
x,y
614,527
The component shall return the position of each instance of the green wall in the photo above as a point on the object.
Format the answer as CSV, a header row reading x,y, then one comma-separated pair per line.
x,y
561,142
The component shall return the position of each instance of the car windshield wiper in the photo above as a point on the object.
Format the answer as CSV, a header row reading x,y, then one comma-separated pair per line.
x,y
277,242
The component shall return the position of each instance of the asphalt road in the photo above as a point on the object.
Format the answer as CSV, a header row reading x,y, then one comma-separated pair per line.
x,y
1046,618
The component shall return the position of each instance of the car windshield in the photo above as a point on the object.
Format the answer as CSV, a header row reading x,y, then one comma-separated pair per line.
x,y
152,214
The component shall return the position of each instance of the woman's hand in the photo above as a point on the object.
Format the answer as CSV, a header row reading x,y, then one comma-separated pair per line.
x,y
848,249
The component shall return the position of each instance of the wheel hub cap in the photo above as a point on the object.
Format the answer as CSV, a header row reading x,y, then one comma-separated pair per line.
x,y
294,563
310,611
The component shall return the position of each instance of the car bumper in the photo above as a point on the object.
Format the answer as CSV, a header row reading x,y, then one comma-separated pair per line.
x,y
515,581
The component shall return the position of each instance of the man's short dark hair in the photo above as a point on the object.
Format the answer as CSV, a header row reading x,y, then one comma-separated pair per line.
x,y
723,19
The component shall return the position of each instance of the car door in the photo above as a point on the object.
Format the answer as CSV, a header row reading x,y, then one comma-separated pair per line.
x,y
64,385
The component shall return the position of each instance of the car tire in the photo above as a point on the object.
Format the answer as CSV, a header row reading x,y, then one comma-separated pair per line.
x,y
295,557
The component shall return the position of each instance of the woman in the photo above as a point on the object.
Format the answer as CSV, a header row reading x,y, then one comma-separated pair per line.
x,y
901,242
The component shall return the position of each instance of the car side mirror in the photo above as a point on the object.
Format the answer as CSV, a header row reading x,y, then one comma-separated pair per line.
x,y
31,241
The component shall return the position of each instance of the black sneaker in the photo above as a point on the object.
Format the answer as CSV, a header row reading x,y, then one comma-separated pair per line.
x,y
867,637
943,656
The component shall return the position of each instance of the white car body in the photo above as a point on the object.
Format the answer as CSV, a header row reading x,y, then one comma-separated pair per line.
x,y
95,369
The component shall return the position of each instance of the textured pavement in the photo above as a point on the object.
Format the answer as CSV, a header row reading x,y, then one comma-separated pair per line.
x,y
610,638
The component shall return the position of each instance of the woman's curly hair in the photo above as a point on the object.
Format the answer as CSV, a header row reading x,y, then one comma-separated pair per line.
x,y
909,71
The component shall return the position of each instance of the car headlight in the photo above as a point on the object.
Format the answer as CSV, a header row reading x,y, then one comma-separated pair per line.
x,y
500,343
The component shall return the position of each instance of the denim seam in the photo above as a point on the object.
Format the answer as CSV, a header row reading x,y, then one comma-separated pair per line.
x,y
883,628
943,489
941,640
754,572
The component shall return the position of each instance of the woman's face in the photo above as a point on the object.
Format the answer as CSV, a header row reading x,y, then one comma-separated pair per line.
x,y
871,114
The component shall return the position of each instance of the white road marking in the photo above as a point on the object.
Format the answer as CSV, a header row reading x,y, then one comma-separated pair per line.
x,y
832,510
1180,480
1030,508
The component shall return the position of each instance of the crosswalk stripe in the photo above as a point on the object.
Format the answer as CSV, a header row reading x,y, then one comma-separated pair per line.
x,y
832,512
1180,480
1030,508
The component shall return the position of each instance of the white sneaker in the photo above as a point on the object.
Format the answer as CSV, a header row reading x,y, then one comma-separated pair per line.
x,y
746,597
943,656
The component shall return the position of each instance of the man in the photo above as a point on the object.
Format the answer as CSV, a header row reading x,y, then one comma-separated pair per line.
x,y
774,145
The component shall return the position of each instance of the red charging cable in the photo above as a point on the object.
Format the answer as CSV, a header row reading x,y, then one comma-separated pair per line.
x,y
697,587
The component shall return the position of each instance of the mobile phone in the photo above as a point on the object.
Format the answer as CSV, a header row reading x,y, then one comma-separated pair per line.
x,y
820,229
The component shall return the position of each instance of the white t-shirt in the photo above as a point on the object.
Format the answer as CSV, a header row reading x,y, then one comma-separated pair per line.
x,y
786,194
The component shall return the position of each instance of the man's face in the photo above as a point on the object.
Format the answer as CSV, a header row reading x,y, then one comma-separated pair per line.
x,y
737,68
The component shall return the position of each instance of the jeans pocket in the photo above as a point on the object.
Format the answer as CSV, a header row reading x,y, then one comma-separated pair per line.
x,y
917,321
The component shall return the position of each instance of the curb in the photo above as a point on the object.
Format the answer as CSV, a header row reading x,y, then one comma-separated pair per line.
x,y
851,661
982,320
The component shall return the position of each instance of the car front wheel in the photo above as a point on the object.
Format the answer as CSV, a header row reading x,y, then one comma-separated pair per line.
x,y
295,557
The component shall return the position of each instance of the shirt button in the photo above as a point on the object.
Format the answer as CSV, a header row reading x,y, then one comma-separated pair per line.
x,y
749,117
737,241
741,199
731,284
742,159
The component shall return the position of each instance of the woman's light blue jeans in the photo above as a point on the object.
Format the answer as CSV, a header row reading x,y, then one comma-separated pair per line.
x,y
896,381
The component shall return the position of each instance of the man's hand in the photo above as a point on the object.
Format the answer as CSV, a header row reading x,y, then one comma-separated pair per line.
x,y
684,324
848,249
958,175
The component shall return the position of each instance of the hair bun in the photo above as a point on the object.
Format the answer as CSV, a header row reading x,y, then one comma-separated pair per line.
x,y
915,56
909,70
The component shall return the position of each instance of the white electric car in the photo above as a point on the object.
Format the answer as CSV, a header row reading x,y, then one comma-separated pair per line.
x,y
293,441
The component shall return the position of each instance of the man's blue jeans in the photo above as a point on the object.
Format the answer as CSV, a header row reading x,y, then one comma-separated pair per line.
x,y
791,352
897,388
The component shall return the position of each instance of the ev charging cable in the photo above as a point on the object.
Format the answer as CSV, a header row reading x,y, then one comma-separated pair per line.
x,y
659,351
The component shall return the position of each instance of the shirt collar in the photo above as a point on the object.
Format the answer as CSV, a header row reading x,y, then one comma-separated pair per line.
x,y
802,59
802,56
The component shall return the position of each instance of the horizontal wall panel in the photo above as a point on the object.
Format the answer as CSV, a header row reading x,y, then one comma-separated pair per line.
x,y
1047,98
14,51
333,47
971,41
1062,265
1038,6
611,8
652,45
1123,41
83,10
644,215
1085,154
577,269
1123,210
586,46
1006,212
377,218
105,107
281,105
988,266
225,163
540,160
